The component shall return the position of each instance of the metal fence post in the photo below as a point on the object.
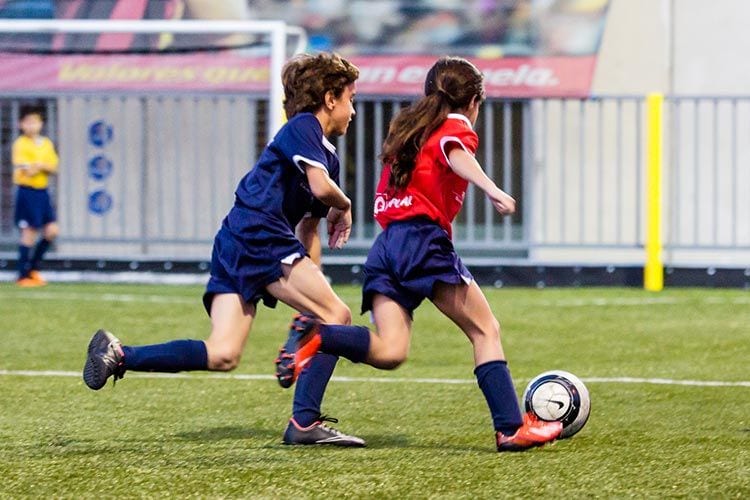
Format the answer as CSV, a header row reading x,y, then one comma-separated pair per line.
x,y
653,273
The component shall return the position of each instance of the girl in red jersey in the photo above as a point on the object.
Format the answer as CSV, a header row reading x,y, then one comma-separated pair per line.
x,y
428,161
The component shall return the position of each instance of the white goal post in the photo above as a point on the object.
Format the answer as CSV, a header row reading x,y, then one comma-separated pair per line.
x,y
278,32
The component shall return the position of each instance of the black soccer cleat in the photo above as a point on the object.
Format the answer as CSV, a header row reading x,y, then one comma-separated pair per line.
x,y
292,355
104,360
319,433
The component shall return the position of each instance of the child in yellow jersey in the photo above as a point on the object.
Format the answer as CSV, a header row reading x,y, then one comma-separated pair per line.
x,y
34,159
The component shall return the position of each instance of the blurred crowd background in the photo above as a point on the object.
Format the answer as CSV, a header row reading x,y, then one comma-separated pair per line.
x,y
478,28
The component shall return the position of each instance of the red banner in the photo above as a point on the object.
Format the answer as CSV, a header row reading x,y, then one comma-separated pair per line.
x,y
504,77
380,75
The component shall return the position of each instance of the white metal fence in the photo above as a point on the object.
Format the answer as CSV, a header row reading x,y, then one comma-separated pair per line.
x,y
170,165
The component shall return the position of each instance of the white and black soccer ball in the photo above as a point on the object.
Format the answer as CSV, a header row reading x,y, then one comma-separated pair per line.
x,y
559,395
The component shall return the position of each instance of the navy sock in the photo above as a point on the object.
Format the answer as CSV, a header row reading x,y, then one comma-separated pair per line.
x,y
352,342
311,386
497,385
174,356
23,261
41,248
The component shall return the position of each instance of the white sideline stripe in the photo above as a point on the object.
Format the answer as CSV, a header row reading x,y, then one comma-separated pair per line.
x,y
104,297
166,299
445,381
123,277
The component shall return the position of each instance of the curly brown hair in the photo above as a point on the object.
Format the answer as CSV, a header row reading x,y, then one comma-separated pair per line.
x,y
451,84
307,78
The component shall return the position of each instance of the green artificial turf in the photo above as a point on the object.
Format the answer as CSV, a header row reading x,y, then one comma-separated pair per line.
x,y
656,428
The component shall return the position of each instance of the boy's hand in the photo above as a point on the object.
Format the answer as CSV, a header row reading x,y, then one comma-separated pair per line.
x,y
339,227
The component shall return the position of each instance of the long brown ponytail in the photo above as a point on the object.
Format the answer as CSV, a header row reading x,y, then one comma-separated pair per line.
x,y
451,84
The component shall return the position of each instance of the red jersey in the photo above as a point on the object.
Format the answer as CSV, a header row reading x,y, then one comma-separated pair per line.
x,y
435,191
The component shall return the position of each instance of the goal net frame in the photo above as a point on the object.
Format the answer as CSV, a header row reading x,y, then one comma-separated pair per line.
x,y
277,31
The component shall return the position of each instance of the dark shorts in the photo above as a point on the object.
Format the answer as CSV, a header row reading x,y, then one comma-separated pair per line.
x,y
33,208
247,266
407,260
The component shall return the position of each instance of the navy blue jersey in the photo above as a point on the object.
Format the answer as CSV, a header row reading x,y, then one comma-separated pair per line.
x,y
275,195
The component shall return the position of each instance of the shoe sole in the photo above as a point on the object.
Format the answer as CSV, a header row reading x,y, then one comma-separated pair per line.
x,y
285,372
285,366
341,443
517,448
31,285
95,367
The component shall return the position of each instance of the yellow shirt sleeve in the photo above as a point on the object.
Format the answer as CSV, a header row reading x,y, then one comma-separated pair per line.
x,y
50,158
27,151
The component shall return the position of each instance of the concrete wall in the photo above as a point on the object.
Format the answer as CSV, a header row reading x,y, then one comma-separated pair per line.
x,y
634,53
681,47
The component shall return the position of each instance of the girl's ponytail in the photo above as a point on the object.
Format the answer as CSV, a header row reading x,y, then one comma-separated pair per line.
x,y
451,84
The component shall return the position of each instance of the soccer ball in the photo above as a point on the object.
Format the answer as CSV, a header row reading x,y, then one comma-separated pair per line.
x,y
559,395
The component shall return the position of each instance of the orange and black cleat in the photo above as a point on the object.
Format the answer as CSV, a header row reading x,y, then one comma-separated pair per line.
x,y
28,282
37,276
300,347
532,433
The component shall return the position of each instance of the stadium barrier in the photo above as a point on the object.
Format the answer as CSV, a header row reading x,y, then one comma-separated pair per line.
x,y
148,177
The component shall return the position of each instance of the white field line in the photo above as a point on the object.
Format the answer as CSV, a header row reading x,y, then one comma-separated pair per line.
x,y
174,299
134,277
377,380
103,297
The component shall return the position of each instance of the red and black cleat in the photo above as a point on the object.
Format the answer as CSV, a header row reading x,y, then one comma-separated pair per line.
x,y
301,345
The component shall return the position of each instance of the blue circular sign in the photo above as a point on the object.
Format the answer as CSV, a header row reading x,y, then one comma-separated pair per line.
x,y
100,202
100,167
100,133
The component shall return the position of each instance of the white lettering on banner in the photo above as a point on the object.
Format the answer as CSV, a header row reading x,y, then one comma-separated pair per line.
x,y
523,75
381,204
377,74
412,74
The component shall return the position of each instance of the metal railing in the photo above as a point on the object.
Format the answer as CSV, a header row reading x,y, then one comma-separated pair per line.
x,y
709,178
575,166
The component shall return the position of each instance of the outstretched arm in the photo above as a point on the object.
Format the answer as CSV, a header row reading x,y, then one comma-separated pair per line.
x,y
467,167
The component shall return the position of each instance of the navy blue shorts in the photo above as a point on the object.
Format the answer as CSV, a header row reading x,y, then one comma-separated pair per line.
x,y
33,208
407,260
247,266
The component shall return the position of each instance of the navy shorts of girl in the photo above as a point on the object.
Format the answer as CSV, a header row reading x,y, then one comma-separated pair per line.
x,y
246,267
407,260
33,208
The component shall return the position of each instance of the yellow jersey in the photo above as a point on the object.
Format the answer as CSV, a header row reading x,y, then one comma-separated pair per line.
x,y
28,151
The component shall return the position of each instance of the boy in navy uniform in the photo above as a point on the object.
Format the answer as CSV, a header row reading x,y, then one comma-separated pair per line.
x,y
257,255
428,161
34,160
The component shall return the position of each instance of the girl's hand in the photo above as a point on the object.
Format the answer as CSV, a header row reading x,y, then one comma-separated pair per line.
x,y
502,201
